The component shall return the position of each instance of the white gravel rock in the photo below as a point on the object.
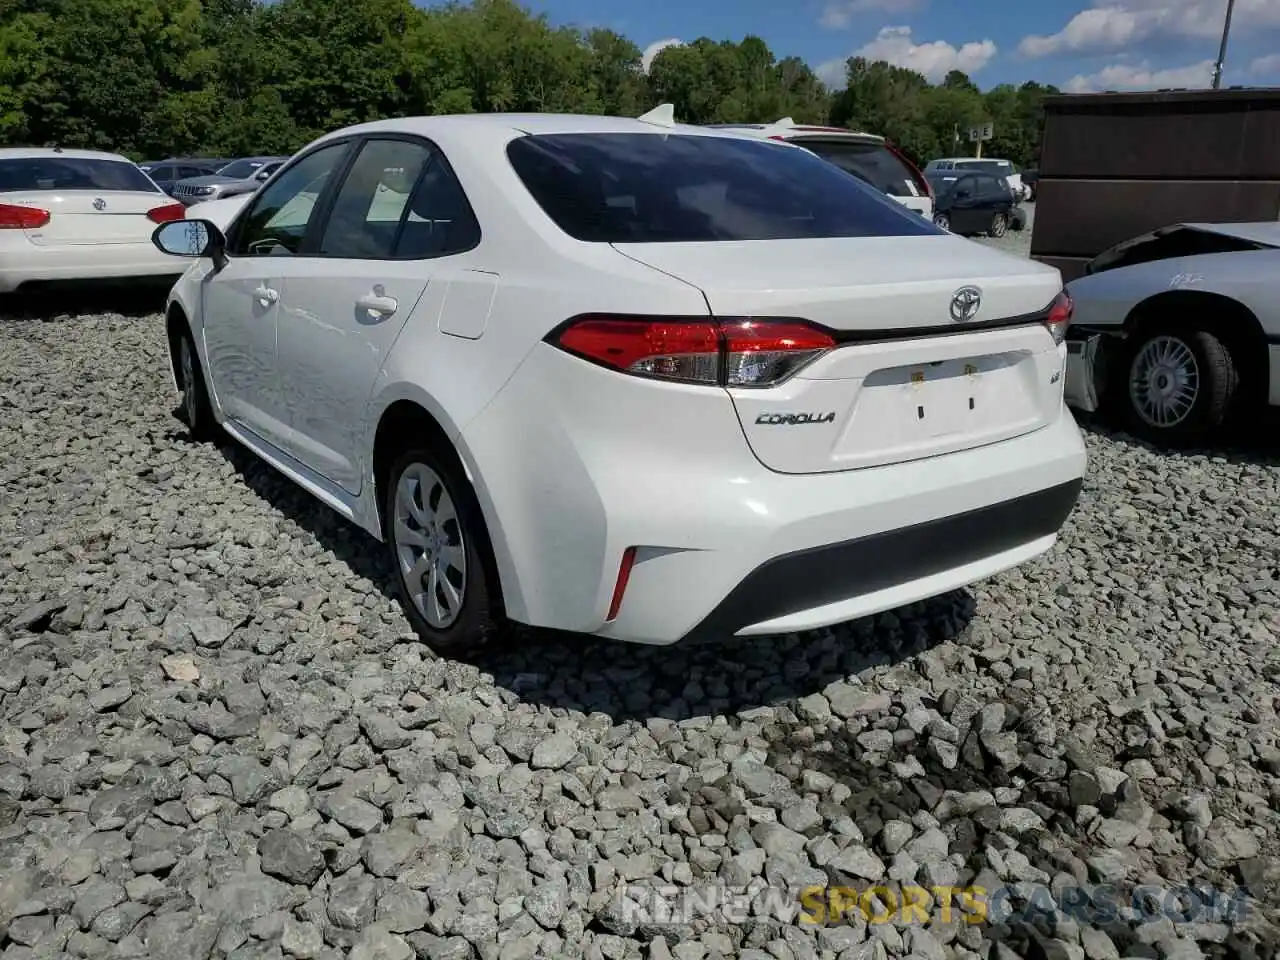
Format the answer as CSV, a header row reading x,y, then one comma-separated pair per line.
x,y
205,677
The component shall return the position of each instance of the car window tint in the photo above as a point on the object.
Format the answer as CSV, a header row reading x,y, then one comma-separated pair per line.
x,y
72,173
663,188
278,220
440,220
368,208
871,162
401,201
185,172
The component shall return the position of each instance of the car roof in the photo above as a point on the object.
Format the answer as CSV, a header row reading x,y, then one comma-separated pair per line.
x,y
54,153
970,160
524,123
786,129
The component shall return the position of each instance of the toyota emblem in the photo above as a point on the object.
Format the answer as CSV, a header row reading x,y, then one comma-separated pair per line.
x,y
965,303
99,203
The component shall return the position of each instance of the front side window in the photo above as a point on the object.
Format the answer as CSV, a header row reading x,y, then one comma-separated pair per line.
x,y
400,201
72,173
277,222
663,188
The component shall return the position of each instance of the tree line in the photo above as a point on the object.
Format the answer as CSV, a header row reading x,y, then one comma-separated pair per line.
x,y
156,78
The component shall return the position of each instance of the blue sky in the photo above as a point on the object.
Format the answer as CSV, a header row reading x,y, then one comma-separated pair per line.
x,y
1077,44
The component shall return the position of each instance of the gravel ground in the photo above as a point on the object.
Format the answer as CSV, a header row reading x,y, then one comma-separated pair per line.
x,y
1019,241
219,738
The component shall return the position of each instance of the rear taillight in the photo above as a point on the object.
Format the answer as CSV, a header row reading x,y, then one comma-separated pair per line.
x,y
166,213
14,217
731,353
1059,317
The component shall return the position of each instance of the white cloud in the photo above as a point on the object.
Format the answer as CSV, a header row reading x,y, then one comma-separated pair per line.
x,y
1114,25
655,48
1125,76
1265,66
934,58
838,14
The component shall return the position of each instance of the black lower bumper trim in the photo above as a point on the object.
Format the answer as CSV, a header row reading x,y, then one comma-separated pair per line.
x,y
838,571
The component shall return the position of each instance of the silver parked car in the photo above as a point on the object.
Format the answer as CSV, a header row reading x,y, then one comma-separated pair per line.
x,y
239,176
1175,330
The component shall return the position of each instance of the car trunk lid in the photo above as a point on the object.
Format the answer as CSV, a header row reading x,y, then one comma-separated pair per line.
x,y
906,379
87,216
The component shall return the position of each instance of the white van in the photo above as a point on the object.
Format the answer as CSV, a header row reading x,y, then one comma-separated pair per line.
x,y
992,165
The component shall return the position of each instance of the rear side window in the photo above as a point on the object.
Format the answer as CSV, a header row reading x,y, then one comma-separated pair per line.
x,y
873,163
400,201
72,173
656,188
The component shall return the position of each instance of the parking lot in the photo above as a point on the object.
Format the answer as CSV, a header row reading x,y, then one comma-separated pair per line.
x,y
198,655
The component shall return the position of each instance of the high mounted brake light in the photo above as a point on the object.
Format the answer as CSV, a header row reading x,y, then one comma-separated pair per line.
x,y
731,353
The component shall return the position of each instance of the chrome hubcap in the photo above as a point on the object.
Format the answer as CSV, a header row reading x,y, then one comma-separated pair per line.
x,y
188,380
429,546
1164,381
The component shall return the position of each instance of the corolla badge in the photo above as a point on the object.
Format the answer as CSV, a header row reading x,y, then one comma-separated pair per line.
x,y
965,303
99,203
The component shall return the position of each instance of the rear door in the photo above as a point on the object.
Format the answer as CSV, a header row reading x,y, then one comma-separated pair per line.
x,y
88,200
397,221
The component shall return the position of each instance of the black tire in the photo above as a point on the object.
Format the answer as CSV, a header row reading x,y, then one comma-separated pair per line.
x,y
1216,385
197,411
481,610
942,220
999,225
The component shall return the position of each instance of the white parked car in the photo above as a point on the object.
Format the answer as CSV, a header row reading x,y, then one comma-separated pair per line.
x,y
868,157
627,378
991,165
1178,329
79,215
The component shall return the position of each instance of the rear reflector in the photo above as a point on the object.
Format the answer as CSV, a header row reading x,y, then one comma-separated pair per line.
x,y
1059,316
15,217
619,588
166,213
731,353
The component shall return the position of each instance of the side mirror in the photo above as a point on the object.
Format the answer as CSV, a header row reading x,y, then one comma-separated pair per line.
x,y
963,193
262,175
191,238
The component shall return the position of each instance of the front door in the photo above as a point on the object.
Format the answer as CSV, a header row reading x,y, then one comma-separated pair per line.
x,y
398,216
241,302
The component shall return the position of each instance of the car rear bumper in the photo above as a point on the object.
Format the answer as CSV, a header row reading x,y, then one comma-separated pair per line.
x,y
575,464
30,263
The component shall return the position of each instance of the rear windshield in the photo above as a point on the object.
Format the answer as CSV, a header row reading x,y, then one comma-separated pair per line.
x,y
873,162
997,168
654,188
72,173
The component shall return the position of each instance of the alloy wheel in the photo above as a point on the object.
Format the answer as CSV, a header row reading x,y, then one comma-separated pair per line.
x,y
428,539
1164,381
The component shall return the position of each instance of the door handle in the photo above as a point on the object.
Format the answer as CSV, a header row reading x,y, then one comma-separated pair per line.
x,y
382,305
266,296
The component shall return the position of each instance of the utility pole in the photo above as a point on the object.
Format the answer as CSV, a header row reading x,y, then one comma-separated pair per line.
x,y
1222,49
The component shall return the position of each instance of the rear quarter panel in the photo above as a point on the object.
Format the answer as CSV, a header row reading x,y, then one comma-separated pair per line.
x,y
1252,278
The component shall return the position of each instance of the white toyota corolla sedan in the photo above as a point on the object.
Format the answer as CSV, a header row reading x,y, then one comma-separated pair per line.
x,y
629,378
79,215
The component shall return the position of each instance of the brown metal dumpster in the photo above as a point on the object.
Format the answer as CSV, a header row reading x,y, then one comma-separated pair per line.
x,y
1116,165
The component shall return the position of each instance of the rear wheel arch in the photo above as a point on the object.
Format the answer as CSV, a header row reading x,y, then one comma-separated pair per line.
x,y
406,427
1226,318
